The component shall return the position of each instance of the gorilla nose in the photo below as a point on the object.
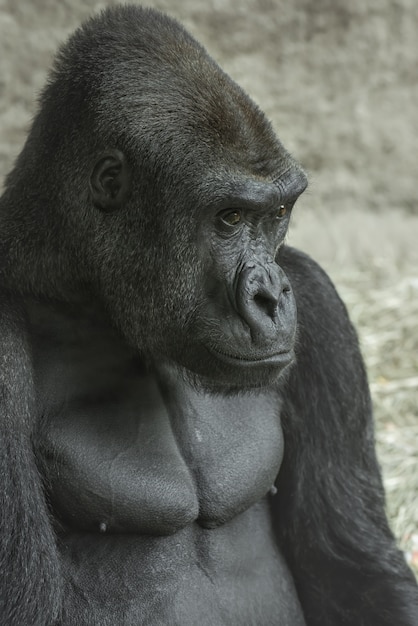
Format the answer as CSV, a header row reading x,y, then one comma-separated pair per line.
x,y
263,294
266,299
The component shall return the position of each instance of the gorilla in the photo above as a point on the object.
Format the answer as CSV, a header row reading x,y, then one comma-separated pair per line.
x,y
185,422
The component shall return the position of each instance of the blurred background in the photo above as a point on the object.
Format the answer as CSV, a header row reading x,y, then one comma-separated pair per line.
x,y
339,81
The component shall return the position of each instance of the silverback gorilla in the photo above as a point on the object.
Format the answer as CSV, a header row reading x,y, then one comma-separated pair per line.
x,y
186,431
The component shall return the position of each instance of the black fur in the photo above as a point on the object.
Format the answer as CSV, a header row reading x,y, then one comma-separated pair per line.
x,y
150,363
30,583
330,500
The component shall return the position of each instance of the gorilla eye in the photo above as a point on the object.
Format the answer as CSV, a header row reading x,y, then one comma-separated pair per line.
x,y
282,211
231,217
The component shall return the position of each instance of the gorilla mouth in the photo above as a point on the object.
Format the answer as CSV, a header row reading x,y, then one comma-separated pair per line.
x,y
276,358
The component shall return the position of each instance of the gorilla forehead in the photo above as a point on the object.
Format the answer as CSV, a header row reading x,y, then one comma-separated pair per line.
x,y
141,81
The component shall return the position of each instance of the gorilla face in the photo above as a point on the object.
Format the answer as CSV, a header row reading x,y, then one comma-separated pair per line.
x,y
246,323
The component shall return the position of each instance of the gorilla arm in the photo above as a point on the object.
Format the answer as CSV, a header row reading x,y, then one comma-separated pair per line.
x,y
29,593
329,509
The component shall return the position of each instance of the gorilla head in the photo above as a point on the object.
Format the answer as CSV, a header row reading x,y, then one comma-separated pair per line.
x,y
173,200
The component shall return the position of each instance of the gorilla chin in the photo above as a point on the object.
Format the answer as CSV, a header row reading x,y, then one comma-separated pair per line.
x,y
217,368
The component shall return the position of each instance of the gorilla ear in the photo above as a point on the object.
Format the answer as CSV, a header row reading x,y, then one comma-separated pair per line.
x,y
110,181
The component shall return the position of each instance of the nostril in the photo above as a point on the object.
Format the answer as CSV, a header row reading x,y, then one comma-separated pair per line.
x,y
266,303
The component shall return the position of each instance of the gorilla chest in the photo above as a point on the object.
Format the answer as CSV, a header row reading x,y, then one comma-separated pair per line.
x,y
151,462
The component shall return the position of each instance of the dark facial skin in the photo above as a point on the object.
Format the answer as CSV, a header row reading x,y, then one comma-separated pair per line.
x,y
250,313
